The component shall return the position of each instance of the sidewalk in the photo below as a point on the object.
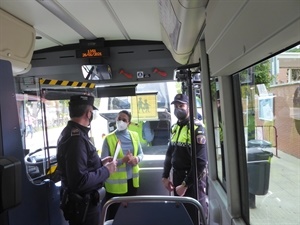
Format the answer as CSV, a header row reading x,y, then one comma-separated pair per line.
x,y
281,205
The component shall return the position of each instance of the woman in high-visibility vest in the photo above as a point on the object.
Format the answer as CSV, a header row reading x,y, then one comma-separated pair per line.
x,y
125,181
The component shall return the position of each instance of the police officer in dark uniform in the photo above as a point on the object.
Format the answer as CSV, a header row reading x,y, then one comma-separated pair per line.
x,y
179,157
81,170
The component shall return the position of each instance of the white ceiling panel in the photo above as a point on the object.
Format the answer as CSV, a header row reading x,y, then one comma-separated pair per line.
x,y
53,30
97,17
144,14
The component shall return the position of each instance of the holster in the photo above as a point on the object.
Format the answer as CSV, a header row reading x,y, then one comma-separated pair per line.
x,y
75,206
97,196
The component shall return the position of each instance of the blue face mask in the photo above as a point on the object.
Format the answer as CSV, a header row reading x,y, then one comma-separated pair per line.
x,y
181,114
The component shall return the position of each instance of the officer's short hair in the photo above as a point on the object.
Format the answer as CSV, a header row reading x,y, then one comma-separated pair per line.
x,y
77,110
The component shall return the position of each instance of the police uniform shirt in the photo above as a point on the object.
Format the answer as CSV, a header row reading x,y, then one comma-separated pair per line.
x,y
79,165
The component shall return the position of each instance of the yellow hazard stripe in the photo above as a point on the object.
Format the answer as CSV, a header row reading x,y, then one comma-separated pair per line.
x,y
67,83
52,169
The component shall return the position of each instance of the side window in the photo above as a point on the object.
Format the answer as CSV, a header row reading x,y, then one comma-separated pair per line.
x,y
218,130
41,122
272,134
116,103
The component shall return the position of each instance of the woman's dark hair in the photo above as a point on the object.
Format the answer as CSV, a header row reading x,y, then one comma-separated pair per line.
x,y
127,113
77,110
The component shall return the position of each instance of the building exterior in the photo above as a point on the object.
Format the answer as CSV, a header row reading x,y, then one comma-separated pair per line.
x,y
286,104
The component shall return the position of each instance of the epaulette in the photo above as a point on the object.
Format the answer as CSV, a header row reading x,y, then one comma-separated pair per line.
x,y
75,132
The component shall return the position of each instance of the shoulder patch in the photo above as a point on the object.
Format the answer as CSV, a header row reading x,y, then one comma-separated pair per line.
x,y
201,139
75,132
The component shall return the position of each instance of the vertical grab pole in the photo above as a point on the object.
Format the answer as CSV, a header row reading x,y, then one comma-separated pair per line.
x,y
192,131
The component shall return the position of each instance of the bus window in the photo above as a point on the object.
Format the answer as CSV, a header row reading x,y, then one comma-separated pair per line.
x,y
43,118
218,131
41,121
271,124
151,113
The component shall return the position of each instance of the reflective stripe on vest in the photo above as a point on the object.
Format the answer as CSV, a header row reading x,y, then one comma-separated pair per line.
x,y
117,182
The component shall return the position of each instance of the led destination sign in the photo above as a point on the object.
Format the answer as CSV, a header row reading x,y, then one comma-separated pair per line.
x,y
92,53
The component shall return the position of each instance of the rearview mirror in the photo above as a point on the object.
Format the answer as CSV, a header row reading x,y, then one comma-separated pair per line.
x,y
96,72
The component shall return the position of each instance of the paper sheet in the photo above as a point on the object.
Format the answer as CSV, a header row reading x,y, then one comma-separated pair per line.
x,y
118,148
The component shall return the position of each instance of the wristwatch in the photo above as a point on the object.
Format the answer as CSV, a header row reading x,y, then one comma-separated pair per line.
x,y
183,184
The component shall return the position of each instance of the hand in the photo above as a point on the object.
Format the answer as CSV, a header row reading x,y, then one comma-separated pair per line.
x,y
133,160
180,190
111,166
106,160
168,184
127,157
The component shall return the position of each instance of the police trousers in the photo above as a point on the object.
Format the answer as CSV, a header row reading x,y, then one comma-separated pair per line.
x,y
178,177
82,209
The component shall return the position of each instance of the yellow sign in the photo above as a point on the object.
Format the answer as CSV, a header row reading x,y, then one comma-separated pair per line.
x,y
144,107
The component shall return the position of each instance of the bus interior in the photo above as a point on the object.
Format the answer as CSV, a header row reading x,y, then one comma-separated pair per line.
x,y
238,61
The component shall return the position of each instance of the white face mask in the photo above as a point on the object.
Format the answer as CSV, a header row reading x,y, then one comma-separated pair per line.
x,y
121,125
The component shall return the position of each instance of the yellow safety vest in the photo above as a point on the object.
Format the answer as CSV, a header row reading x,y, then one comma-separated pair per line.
x,y
117,182
138,127
184,137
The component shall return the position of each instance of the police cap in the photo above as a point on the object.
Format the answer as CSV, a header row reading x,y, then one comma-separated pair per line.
x,y
182,98
82,100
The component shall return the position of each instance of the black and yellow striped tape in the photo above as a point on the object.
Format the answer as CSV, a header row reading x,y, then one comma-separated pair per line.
x,y
67,83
